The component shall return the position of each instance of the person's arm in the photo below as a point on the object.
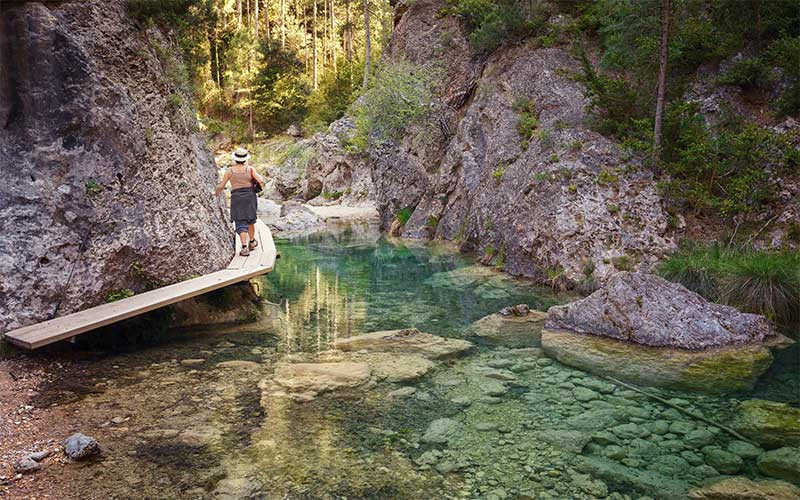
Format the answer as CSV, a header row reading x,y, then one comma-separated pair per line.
x,y
222,183
258,177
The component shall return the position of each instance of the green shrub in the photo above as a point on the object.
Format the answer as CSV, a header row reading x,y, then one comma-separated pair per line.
x,y
93,188
498,172
403,215
623,263
765,282
607,177
432,223
169,12
492,23
751,72
527,121
122,293
729,169
335,95
399,96
332,196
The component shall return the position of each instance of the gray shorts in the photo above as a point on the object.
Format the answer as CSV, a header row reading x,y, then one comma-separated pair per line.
x,y
243,226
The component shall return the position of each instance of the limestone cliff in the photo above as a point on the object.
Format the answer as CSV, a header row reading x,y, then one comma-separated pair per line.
x,y
106,178
565,205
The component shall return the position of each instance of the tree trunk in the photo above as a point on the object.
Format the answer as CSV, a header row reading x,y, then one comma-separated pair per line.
x,y
324,35
314,46
267,27
367,44
255,24
283,25
662,82
334,38
238,14
349,37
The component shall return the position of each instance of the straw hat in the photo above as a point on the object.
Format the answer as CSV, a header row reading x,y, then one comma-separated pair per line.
x,y
240,155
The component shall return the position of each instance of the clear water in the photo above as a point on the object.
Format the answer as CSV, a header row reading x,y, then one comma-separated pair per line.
x,y
209,429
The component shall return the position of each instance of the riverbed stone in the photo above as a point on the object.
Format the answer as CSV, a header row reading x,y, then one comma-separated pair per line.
x,y
491,387
583,394
630,431
723,461
698,438
239,364
407,341
594,420
315,378
783,463
402,392
79,446
769,423
566,440
441,430
236,489
742,488
744,449
681,427
399,368
659,427
718,370
642,481
512,330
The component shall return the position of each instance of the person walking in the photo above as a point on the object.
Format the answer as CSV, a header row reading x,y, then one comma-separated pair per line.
x,y
244,203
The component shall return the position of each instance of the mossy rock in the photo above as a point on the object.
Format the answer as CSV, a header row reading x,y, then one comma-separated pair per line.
x,y
770,424
719,370
510,331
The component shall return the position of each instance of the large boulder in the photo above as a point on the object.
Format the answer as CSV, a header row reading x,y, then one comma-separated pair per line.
x,y
783,463
649,310
742,488
769,423
512,327
719,370
643,329
408,341
104,165
296,219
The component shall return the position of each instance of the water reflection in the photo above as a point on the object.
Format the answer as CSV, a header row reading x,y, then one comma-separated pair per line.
x,y
335,285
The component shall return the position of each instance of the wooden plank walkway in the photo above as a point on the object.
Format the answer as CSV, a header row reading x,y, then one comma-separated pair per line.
x,y
260,261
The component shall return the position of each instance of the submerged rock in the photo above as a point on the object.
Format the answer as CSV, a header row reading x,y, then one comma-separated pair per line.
x,y
296,218
742,488
643,481
649,310
441,430
783,463
769,423
719,370
306,380
408,341
79,446
510,330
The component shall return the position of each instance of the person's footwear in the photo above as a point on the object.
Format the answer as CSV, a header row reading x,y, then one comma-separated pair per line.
x,y
253,244
245,252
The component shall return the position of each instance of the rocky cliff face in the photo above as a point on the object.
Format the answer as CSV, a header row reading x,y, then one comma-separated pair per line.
x,y
106,179
564,205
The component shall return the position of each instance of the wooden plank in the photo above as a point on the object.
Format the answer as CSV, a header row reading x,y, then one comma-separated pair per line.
x,y
40,334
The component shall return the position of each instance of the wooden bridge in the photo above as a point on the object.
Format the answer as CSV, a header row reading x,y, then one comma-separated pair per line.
x,y
260,261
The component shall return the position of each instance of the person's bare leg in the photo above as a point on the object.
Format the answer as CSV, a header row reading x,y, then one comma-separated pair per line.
x,y
245,239
251,231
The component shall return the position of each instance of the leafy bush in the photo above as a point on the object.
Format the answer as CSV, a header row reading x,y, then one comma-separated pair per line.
x,y
728,169
399,95
751,72
785,54
171,12
493,23
528,120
